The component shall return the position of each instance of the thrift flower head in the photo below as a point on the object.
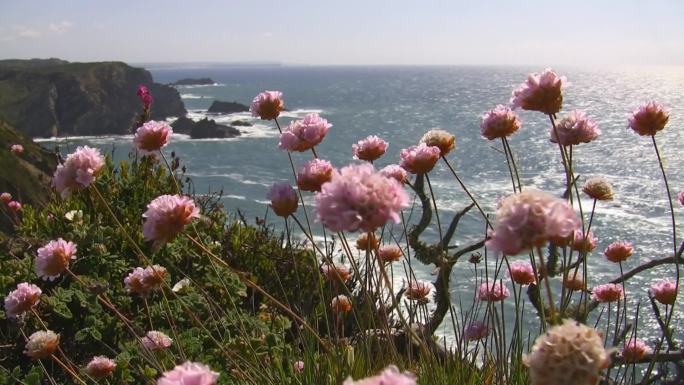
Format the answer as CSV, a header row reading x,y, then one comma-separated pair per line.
x,y
575,128
583,243
521,272
298,366
598,188
78,171
22,299
499,123
156,340
53,258
42,344
574,283
418,290
14,206
370,148
302,135
366,242
389,376
440,139
396,172
609,292
649,118
492,292
680,197
567,354
635,350
145,96
341,304
143,281
541,92
100,367
529,219
283,198
166,216
664,291
6,197
419,159
16,149
358,197
189,373
267,105
390,253
314,173
152,136
619,251
477,330
335,272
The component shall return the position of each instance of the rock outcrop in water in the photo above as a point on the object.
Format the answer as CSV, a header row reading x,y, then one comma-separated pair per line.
x,y
205,128
219,107
193,82
44,98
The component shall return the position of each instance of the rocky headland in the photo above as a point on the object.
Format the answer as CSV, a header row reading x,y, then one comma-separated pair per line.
x,y
193,82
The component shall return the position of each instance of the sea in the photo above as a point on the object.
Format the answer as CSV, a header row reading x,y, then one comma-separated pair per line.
x,y
401,103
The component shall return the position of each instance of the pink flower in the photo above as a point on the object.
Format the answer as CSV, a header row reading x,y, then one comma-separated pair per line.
x,y
477,330
583,243
609,292
418,290
6,197
166,216
298,366
440,139
619,251
500,122
541,92
649,118
575,128
267,105
664,291
396,172
143,281
419,159
598,188
14,206
145,96
521,272
100,367
190,373
369,149
78,171
283,198
367,241
680,197
635,350
53,259
358,197
302,135
341,304
389,376
42,344
335,272
152,136
22,299
17,149
529,219
314,173
492,292
156,340
390,253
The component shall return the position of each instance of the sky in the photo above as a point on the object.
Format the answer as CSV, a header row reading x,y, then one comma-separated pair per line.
x,y
349,32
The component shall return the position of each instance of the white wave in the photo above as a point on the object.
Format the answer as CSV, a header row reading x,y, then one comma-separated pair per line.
x,y
191,86
193,96
238,197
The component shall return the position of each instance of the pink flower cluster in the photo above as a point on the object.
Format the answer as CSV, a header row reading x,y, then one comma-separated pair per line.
x,y
156,340
619,251
267,105
500,122
6,197
583,243
609,292
529,219
680,197
575,128
22,299
100,367
335,272
17,149
418,290
389,376
635,350
541,92
53,258
166,216
369,149
189,373
283,199
477,330
313,174
390,253
358,197
145,96
152,136
492,292
649,118
14,206
302,135
78,171
521,272
420,159
143,281
664,291
396,172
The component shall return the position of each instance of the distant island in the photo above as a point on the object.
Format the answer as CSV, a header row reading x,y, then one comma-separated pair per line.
x,y
220,107
193,82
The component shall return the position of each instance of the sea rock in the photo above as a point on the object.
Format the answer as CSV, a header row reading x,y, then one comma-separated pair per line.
x,y
44,98
205,128
219,107
241,123
193,82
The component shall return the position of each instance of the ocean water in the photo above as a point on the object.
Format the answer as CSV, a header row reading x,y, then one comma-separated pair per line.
x,y
400,104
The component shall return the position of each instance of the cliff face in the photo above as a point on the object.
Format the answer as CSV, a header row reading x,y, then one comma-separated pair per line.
x,y
44,98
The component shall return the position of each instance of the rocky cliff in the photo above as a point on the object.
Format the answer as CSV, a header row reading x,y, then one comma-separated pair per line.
x,y
44,98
